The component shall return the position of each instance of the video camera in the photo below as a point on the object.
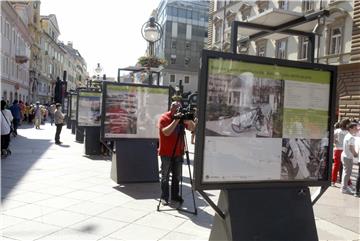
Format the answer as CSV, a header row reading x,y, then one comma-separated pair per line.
x,y
188,101
188,109
185,113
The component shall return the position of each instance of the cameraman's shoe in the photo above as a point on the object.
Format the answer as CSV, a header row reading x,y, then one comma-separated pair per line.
x,y
177,199
164,202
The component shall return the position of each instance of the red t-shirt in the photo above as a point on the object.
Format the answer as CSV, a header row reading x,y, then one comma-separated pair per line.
x,y
167,143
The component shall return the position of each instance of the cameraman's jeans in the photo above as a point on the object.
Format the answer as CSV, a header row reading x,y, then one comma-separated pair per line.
x,y
175,167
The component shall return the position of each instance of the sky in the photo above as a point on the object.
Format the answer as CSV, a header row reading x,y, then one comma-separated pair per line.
x,y
106,32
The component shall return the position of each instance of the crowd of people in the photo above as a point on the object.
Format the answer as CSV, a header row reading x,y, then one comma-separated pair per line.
x,y
346,154
19,113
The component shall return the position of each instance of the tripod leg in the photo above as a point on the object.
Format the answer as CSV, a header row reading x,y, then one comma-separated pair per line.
x,y
191,182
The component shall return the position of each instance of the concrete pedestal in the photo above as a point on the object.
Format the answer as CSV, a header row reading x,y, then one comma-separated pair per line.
x,y
135,160
279,214
79,136
73,126
92,140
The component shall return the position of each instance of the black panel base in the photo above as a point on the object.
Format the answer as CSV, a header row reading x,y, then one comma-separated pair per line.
x,y
92,140
79,136
135,160
265,214
68,123
73,126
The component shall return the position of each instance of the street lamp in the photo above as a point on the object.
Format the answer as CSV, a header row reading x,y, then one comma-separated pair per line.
x,y
98,70
151,32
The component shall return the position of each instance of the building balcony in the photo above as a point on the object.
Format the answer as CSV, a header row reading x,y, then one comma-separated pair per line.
x,y
21,59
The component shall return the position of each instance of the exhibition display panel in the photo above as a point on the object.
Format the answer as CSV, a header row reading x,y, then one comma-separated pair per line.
x,y
89,105
132,111
73,106
263,122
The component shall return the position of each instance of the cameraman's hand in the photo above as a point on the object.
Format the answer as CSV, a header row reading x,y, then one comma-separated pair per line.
x,y
177,115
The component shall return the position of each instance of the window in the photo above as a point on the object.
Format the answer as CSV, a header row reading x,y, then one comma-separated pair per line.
x,y
174,30
186,80
283,4
281,49
217,33
245,12
261,48
187,60
188,31
173,59
262,5
304,46
335,41
172,78
307,5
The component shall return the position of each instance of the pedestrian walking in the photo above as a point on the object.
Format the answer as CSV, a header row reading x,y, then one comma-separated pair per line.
x,y
52,109
16,112
37,115
59,122
347,156
6,119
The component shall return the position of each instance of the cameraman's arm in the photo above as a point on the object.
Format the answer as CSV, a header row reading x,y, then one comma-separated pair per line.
x,y
190,125
167,130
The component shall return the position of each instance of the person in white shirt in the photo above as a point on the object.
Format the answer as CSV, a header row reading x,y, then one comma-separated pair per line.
x,y
6,119
347,157
339,135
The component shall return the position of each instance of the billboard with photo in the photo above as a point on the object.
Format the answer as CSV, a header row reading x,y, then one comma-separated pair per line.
x,y
132,111
262,123
73,106
65,106
89,105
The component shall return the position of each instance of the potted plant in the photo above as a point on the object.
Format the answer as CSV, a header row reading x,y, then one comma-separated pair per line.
x,y
151,61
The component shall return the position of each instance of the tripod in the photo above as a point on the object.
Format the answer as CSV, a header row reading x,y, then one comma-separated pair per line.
x,y
180,137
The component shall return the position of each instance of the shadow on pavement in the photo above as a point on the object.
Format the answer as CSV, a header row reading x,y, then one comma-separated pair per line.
x,y
140,190
25,153
98,157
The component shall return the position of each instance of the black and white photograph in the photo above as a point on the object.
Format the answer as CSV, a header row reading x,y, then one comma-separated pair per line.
x,y
304,159
244,106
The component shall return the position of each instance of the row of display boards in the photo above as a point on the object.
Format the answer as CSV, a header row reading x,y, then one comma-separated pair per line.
x,y
290,145
262,123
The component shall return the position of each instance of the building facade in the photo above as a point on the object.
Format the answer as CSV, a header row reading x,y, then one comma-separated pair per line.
x,y
75,67
332,45
15,51
32,57
35,58
337,42
184,26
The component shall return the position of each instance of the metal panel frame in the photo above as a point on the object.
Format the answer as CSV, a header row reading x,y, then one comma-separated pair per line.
x,y
104,90
199,147
77,105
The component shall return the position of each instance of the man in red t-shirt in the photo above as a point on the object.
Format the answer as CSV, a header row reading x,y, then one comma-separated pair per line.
x,y
171,151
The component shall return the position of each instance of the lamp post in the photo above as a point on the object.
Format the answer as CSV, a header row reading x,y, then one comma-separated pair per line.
x,y
151,32
98,70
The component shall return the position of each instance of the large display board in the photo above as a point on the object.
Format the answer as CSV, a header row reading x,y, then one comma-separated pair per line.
x,y
89,105
73,106
132,111
263,124
65,106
